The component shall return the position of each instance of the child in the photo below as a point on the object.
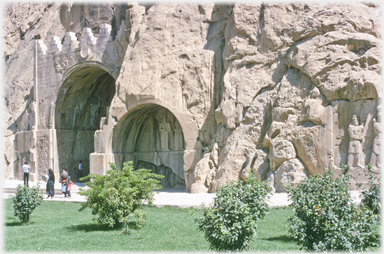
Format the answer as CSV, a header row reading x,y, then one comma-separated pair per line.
x,y
69,186
64,186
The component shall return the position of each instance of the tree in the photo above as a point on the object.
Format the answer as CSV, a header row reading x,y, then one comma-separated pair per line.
x,y
116,196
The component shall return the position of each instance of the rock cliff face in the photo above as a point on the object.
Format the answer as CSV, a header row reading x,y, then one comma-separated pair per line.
x,y
202,93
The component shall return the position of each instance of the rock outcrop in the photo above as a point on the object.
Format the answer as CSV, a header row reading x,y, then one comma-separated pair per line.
x,y
204,93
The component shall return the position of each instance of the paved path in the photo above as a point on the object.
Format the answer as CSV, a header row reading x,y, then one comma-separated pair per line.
x,y
166,197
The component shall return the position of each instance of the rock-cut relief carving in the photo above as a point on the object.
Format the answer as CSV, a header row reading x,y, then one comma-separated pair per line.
x,y
86,40
95,108
357,135
78,111
164,128
51,113
375,156
61,65
313,109
85,52
178,136
43,154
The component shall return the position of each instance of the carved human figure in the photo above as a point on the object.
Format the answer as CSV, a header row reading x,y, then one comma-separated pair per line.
x,y
65,63
314,111
375,156
58,67
93,112
76,115
355,138
178,136
165,128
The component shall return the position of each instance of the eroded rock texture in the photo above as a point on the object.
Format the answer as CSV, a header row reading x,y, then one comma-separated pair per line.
x,y
202,93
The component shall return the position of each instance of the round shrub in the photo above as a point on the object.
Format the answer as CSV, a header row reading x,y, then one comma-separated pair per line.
x,y
231,223
116,196
326,219
25,201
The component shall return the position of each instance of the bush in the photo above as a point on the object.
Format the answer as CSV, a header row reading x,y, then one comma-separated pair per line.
x,y
371,197
325,218
25,201
116,196
231,223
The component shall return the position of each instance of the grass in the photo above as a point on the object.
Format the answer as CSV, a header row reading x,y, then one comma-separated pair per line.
x,y
59,226
272,233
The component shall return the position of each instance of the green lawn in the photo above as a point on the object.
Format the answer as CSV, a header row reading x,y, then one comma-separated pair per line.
x,y
59,226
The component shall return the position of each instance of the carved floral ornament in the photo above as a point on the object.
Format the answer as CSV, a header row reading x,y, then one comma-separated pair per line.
x,y
85,52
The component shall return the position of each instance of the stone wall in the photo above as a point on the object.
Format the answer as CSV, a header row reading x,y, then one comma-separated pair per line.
x,y
202,93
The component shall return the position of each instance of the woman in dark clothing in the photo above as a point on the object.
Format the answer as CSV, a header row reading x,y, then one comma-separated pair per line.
x,y
50,184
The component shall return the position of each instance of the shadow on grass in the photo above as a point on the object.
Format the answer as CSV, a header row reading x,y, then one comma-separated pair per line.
x,y
101,227
280,238
91,227
132,225
13,224
18,223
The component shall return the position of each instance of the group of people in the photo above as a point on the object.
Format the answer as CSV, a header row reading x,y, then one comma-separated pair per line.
x,y
66,182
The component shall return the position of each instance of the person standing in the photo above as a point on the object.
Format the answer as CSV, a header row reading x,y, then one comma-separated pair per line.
x,y
69,186
26,168
50,187
80,169
64,186
77,172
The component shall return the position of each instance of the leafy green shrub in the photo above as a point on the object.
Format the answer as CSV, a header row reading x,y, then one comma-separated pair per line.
x,y
231,223
325,218
371,197
116,196
25,201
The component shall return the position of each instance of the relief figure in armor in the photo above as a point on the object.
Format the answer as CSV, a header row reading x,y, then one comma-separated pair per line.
x,y
355,138
375,157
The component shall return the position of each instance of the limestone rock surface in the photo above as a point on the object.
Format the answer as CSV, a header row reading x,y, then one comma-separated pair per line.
x,y
280,151
202,93
289,172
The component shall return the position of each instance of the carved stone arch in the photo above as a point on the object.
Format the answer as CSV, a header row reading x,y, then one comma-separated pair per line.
x,y
153,136
188,124
82,102
95,64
